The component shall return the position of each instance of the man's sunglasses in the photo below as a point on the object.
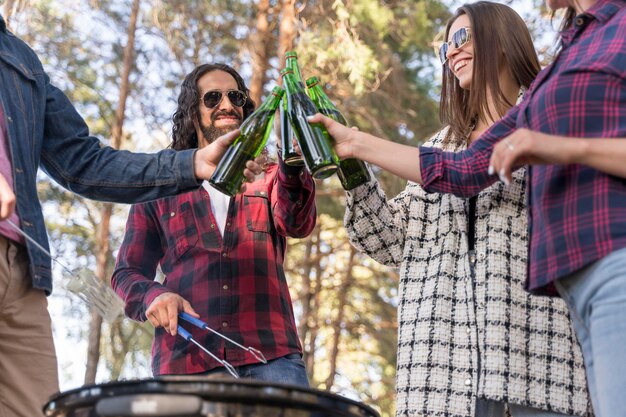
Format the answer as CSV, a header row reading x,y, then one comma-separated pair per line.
x,y
459,39
213,98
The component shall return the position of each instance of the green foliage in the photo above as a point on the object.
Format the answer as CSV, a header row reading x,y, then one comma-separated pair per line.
x,y
375,59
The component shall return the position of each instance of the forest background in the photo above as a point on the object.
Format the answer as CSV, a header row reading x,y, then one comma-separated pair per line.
x,y
121,63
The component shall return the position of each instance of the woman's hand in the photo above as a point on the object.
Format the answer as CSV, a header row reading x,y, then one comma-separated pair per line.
x,y
342,135
527,147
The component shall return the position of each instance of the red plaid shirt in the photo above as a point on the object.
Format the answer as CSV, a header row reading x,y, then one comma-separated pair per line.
x,y
577,214
236,282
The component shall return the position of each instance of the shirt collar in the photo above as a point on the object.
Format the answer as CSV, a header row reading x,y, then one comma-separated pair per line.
x,y
602,11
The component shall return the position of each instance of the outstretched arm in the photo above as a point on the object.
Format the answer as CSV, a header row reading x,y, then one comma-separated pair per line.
x,y
80,163
463,174
400,160
527,147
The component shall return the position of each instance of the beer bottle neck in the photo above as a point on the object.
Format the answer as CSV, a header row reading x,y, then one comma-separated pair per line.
x,y
292,64
291,84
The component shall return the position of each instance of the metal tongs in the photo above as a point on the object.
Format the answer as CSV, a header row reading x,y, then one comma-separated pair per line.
x,y
202,325
96,293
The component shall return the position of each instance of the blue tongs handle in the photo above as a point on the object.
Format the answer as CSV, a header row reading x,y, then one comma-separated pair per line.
x,y
191,319
202,325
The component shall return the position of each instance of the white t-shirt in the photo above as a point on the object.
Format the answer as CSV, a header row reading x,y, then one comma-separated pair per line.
x,y
219,205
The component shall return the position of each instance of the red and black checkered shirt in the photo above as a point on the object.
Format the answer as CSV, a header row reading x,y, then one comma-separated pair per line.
x,y
236,282
577,214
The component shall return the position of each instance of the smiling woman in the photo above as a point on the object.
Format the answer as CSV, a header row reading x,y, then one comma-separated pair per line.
x,y
472,342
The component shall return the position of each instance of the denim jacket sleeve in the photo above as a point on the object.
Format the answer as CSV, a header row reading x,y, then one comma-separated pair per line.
x,y
80,163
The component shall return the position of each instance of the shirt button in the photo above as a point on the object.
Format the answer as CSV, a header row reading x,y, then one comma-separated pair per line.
x,y
224,254
227,224
172,214
225,287
224,324
468,330
468,382
262,193
212,226
579,21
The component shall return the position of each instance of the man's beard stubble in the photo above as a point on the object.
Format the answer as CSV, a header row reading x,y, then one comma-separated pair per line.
x,y
211,132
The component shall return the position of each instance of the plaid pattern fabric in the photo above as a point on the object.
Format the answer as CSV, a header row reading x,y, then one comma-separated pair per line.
x,y
462,338
577,214
236,282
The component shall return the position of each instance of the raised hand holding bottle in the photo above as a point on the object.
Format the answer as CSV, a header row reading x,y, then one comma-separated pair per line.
x,y
254,132
313,139
352,172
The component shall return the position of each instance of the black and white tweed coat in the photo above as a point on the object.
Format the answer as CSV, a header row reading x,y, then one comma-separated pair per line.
x,y
450,326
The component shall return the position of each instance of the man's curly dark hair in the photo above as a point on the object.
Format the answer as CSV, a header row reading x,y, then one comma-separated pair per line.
x,y
184,132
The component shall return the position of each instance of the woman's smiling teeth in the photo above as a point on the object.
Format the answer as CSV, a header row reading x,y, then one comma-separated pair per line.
x,y
460,64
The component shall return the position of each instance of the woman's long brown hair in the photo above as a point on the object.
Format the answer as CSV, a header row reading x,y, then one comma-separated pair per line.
x,y
501,40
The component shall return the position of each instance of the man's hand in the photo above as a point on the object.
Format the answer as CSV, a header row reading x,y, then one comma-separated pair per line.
x,y
205,160
163,311
7,199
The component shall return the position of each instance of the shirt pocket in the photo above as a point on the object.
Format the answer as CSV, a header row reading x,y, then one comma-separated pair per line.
x,y
180,228
257,211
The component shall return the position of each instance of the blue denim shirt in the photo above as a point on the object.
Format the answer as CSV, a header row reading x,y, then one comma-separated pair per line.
x,y
46,131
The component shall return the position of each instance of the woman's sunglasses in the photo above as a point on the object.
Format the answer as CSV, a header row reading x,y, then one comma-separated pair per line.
x,y
213,98
459,39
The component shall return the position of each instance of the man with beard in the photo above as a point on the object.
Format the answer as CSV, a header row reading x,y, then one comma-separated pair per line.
x,y
222,257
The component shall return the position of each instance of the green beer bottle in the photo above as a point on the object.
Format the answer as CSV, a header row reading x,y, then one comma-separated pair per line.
x,y
288,152
291,62
313,139
255,130
352,172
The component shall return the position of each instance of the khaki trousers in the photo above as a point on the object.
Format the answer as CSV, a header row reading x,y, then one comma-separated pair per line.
x,y
28,365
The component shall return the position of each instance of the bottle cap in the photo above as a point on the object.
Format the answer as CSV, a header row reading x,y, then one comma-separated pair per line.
x,y
278,91
311,81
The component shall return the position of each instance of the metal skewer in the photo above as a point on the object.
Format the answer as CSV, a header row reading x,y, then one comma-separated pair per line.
x,y
187,336
199,323
94,292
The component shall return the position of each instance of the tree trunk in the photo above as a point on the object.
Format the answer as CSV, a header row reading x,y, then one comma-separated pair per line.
x,y
314,320
103,249
341,312
260,51
307,290
288,29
